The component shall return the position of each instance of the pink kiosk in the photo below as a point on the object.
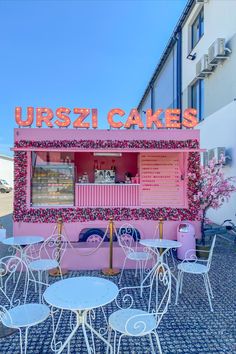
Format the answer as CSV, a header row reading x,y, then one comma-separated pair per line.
x,y
87,176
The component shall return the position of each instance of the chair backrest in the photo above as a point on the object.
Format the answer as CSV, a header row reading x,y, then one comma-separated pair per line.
x,y
127,238
211,253
14,274
159,301
53,247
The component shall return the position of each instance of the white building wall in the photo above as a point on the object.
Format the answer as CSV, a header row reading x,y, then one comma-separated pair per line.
x,y
164,87
219,125
165,83
6,169
219,129
219,22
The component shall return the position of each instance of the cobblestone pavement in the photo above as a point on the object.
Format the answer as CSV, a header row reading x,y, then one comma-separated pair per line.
x,y
187,328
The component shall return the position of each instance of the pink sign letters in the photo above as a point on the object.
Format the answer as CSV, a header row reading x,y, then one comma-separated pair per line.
x,y
88,118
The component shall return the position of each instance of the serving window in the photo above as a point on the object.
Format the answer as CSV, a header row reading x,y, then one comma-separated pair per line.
x,y
87,179
105,167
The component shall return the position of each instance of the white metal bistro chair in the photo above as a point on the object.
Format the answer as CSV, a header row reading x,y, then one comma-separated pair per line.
x,y
193,265
128,240
47,257
134,322
15,313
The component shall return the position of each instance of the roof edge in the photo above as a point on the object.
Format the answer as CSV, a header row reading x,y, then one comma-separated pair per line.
x,y
5,157
190,4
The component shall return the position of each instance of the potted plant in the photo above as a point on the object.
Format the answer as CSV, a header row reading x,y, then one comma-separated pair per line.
x,y
213,190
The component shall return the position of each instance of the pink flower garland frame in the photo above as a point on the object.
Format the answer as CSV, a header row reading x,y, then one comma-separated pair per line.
x,y
76,214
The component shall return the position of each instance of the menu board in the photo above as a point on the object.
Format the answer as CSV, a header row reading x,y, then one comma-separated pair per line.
x,y
161,180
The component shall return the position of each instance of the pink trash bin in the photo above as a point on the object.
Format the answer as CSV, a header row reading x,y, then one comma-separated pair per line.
x,y
186,235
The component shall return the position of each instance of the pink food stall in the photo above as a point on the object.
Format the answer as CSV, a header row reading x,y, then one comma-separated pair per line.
x,y
87,176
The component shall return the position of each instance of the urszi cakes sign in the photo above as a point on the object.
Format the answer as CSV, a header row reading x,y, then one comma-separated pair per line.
x,y
116,118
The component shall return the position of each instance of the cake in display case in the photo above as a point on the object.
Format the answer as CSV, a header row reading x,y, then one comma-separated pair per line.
x,y
53,184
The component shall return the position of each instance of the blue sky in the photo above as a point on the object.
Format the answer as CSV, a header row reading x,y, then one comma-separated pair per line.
x,y
92,54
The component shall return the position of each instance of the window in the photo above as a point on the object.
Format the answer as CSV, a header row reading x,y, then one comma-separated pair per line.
x,y
197,29
197,98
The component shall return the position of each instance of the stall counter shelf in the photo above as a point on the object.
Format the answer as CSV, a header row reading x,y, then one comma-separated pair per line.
x,y
107,194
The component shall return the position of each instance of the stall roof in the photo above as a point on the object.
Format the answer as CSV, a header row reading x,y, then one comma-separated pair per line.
x,y
111,149
27,139
50,134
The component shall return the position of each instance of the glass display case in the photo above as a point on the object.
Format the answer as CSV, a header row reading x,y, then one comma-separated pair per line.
x,y
52,184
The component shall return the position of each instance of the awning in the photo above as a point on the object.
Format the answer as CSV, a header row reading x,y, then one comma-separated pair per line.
x,y
106,150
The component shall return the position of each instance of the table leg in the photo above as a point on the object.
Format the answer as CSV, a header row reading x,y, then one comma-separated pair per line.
x,y
98,335
40,285
172,275
148,274
86,338
69,338
142,286
160,260
81,319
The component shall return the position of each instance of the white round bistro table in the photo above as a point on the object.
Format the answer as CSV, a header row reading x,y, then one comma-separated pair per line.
x,y
19,242
155,245
22,240
80,295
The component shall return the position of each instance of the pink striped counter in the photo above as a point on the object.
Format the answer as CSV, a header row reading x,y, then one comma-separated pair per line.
x,y
107,195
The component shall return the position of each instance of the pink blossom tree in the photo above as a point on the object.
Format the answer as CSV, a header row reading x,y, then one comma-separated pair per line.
x,y
213,189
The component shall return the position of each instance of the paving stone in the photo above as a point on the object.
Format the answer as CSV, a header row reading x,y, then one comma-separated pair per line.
x,y
187,328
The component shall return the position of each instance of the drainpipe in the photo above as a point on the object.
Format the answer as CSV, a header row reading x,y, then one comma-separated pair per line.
x,y
179,71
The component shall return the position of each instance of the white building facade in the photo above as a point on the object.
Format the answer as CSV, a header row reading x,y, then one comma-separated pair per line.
x,y
205,78
214,93
7,169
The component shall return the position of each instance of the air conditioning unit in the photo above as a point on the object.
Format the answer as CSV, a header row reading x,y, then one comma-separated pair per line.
x,y
217,51
202,67
201,1
216,153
